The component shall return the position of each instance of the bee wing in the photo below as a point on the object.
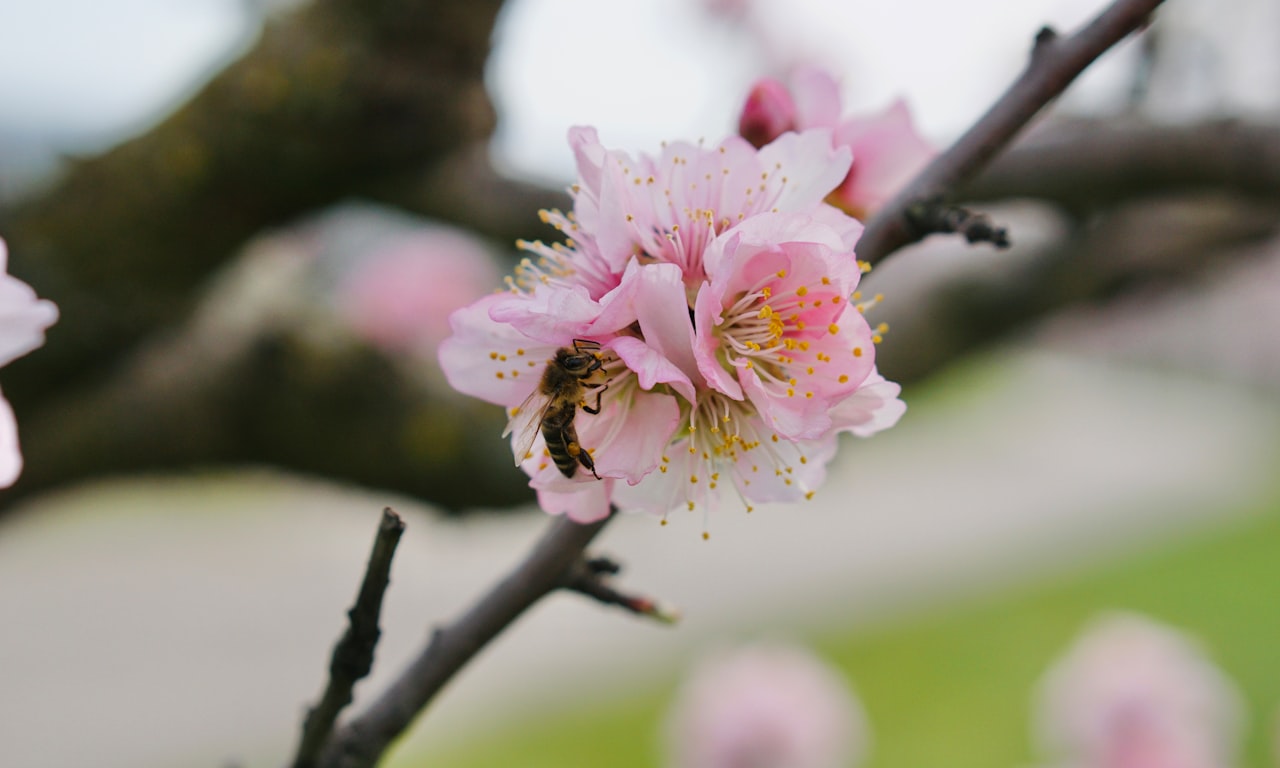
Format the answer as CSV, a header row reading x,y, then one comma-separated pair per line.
x,y
525,423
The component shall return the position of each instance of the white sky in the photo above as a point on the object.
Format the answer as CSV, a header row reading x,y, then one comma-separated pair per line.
x,y
89,72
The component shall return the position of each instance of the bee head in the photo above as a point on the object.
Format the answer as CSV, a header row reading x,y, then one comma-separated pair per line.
x,y
577,363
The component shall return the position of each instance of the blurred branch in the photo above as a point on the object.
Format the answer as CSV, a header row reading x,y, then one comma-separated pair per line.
x,y
1085,165
1137,246
361,742
353,655
343,98
1055,62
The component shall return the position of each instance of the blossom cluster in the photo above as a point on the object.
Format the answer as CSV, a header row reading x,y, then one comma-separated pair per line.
x,y
721,293
23,320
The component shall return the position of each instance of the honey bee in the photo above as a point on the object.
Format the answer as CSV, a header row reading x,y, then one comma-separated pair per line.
x,y
562,386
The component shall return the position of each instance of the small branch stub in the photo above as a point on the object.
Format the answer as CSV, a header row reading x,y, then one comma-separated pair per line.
x,y
932,216
591,578
353,654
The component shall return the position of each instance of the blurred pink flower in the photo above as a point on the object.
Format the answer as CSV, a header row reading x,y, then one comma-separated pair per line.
x,y
766,707
716,284
1132,693
399,299
887,149
23,320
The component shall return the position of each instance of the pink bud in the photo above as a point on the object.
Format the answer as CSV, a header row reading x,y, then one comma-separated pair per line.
x,y
769,112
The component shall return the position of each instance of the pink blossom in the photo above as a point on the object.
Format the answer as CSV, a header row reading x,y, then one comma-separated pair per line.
x,y
707,281
887,149
1132,693
766,707
401,296
23,320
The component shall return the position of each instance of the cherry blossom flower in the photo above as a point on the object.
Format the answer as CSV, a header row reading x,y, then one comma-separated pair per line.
x,y
766,707
887,149
400,297
718,290
1132,693
23,320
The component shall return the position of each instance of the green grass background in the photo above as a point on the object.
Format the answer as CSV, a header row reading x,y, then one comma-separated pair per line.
x,y
952,687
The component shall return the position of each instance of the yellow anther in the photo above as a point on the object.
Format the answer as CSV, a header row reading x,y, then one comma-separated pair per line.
x,y
782,273
857,351
844,378
801,291
833,329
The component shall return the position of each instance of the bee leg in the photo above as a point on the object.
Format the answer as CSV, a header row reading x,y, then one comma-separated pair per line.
x,y
596,409
582,456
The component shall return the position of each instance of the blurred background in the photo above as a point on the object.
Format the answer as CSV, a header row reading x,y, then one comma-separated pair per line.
x,y
256,215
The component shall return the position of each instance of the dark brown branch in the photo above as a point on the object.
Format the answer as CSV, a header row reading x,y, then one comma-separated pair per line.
x,y
361,742
342,98
1055,62
933,216
591,578
353,655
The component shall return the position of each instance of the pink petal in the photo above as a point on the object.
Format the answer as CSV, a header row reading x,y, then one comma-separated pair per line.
x,y
23,316
707,315
491,360
872,408
651,366
10,456
551,314
888,152
811,166
587,503
817,98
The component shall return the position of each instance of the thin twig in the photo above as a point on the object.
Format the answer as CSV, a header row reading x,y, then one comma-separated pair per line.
x,y
353,655
361,742
591,578
1055,62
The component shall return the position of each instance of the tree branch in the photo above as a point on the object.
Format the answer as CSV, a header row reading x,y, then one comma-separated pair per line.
x,y
353,655
1086,165
361,742
591,578
1055,62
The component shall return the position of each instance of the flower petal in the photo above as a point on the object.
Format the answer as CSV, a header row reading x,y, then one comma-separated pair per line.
x,y
491,360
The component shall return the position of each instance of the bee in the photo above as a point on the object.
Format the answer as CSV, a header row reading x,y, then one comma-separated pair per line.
x,y
562,386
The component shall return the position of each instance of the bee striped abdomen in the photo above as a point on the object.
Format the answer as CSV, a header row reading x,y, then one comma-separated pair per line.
x,y
562,439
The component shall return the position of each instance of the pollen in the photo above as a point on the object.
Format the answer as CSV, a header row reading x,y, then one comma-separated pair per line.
x,y
844,378
801,291
693,478
500,375
808,394
519,352
782,273
833,329
514,412
790,392
705,536
857,351
809,370
808,495
493,355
